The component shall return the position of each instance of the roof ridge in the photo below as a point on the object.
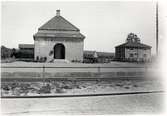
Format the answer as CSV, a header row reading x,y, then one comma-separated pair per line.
x,y
58,23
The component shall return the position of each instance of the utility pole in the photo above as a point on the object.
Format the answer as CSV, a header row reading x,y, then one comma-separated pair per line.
x,y
157,31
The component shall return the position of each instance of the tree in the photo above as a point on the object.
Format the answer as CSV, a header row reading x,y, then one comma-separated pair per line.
x,y
5,52
132,38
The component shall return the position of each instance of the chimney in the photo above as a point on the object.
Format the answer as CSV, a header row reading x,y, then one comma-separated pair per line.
x,y
57,12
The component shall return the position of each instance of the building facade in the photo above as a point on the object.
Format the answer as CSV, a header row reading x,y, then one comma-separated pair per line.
x,y
58,39
29,47
133,50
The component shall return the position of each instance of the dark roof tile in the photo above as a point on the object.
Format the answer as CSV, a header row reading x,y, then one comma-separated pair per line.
x,y
139,45
58,23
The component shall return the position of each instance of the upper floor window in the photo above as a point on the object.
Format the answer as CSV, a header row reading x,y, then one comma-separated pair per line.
x,y
131,55
136,53
145,55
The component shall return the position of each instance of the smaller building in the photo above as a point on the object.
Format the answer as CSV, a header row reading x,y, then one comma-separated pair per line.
x,y
25,52
98,57
133,50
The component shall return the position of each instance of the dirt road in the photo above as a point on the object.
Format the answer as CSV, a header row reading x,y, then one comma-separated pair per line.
x,y
151,103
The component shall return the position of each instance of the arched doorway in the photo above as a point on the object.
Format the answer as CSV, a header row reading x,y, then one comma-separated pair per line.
x,y
59,51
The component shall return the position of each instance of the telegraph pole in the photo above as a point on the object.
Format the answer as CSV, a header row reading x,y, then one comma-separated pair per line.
x,y
157,31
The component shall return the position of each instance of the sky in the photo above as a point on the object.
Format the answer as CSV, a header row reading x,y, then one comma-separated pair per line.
x,y
105,24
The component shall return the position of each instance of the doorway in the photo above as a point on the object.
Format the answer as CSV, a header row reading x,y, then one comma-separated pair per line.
x,y
59,51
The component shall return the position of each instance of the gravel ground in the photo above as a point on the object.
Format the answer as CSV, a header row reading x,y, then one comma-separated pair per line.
x,y
79,87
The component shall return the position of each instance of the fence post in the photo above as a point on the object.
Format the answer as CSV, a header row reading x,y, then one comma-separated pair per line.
x,y
43,74
146,70
98,68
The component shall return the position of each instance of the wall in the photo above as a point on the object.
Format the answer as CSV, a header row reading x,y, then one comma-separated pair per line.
x,y
73,49
120,53
138,54
73,70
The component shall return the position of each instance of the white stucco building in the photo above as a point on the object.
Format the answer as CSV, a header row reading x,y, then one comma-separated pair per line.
x,y
58,39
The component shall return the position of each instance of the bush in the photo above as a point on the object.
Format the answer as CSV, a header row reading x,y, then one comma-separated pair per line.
x,y
14,85
5,87
5,52
25,86
42,59
67,87
59,90
45,89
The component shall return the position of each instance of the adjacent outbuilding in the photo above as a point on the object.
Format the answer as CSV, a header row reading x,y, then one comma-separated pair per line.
x,y
133,50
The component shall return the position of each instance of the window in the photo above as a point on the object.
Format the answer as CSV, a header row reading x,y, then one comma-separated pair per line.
x,y
131,48
131,55
145,55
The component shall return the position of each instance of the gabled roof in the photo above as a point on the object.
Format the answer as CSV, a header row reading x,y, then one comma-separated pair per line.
x,y
58,27
134,45
58,23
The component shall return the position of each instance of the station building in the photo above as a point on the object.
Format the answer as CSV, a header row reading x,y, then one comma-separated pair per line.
x,y
58,39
